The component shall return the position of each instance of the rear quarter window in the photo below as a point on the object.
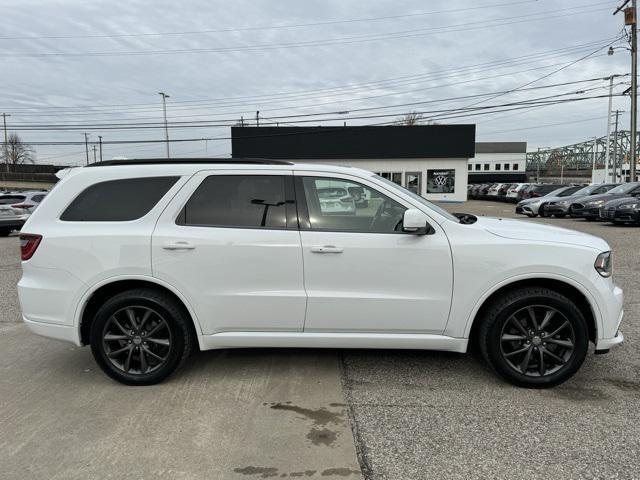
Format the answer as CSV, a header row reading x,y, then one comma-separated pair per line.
x,y
118,200
11,199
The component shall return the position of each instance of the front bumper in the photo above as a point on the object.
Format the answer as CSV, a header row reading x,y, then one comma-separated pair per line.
x,y
604,344
617,215
555,209
585,212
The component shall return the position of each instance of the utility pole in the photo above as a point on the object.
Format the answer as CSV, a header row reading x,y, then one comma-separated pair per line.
x,y
100,140
242,120
630,17
593,169
615,150
164,111
538,162
86,146
94,153
607,152
258,118
6,143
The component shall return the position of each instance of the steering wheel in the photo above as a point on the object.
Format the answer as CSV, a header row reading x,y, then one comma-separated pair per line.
x,y
385,209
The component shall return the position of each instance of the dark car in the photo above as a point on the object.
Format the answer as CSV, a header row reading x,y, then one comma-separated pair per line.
x,y
541,189
621,210
589,207
559,207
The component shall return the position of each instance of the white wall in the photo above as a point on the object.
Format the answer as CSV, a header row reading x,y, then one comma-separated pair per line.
x,y
498,158
413,165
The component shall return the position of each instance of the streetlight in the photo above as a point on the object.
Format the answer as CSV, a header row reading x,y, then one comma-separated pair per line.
x,y
164,111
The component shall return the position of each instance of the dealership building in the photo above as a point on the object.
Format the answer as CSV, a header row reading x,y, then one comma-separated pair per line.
x,y
431,160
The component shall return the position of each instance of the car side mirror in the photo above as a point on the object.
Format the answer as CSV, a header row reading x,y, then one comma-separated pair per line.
x,y
414,221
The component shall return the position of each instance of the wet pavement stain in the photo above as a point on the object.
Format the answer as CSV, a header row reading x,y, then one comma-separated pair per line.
x,y
319,417
627,385
342,472
322,436
306,473
579,393
263,472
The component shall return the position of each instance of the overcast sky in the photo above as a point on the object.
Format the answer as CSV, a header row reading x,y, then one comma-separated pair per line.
x,y
219,60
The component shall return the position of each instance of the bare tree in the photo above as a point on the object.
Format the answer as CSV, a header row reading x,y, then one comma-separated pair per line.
x,y
411,118
16,152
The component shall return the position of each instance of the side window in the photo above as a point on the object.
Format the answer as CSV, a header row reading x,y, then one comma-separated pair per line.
x,y
515,166
37,198
486,166
249,201
118,200
333,205
498,166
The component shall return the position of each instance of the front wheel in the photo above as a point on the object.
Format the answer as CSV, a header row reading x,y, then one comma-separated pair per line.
x,y
534,337
139,337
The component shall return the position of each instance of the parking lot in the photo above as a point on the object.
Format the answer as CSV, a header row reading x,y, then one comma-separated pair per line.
x,y
319,414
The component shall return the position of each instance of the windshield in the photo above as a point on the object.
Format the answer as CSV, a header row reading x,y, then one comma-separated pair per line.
x,y
420,199
626,188
586,190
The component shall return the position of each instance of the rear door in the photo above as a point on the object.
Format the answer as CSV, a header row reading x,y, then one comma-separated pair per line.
x,y
229,242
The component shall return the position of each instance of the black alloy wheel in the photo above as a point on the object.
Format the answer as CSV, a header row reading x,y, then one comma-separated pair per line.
x,y
534,337
136,340
139,337
537,340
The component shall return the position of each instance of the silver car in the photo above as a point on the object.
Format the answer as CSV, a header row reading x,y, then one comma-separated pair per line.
x,y
531,206
16,208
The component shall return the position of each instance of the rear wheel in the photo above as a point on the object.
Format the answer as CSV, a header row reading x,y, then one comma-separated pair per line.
x,y
534,337
139,337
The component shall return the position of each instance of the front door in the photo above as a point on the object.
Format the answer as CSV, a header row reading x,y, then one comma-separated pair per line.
x,y
229,243
361,272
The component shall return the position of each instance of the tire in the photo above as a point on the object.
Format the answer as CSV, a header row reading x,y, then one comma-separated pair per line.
x,y
138,363
531,215
5,231
560,215
516,305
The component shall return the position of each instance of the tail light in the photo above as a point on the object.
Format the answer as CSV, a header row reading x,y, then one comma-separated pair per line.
x,y
28,245
22,205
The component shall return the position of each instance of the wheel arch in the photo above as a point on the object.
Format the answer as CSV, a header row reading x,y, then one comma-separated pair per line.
x,y
574,292
96,296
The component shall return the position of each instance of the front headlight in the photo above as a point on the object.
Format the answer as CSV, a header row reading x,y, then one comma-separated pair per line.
x,y
595,203
604,264
629,206
563,202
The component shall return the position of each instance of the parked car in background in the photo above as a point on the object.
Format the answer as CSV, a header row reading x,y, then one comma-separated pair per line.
x,y
492,192
541,189
502,191
621,210
336,201
531,206
589,207
560,207
16,208
514,191
114,259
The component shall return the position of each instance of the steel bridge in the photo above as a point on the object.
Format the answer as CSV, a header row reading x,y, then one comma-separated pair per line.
x,y
580,156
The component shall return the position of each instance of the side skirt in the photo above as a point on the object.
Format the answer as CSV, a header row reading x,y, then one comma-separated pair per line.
x,y
332,340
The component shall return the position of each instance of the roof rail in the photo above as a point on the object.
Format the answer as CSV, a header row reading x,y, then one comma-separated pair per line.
x,y
213,161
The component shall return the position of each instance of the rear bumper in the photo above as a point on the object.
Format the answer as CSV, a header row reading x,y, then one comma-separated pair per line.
x,y
60,332
17,222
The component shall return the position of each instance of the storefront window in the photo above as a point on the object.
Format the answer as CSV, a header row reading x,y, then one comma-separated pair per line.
x,y
414,182
441,181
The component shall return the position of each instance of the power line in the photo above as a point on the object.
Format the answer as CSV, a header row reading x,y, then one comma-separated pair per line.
x,y
271,27
470,112
314,43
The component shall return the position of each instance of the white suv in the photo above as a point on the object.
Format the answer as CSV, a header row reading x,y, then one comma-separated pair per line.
x,y
148,260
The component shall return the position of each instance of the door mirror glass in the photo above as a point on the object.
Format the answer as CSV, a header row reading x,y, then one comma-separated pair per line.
x,y
414,221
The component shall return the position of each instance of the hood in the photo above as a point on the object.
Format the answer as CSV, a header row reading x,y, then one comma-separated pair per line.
x,y
604,196
621,201
537,232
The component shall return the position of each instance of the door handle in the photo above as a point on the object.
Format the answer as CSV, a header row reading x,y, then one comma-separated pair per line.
x,y
327,249
181,245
